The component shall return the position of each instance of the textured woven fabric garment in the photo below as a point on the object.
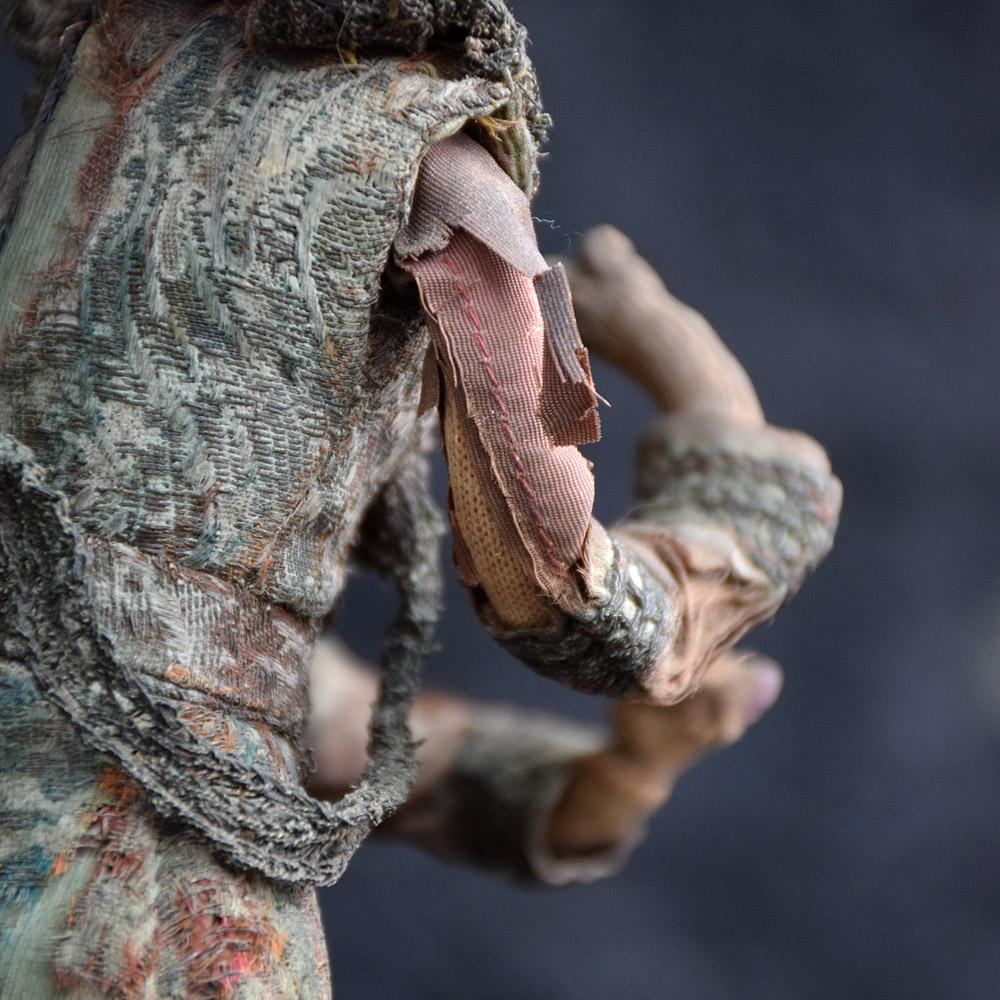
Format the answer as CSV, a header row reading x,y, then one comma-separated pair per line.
x,y
203,389
101,898
482,33
208,316
780,511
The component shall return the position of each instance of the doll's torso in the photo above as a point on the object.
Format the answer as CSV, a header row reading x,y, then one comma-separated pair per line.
x,y
199,362
197,352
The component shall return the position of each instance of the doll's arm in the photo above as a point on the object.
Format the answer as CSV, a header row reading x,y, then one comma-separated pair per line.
x,y
532,795
731,513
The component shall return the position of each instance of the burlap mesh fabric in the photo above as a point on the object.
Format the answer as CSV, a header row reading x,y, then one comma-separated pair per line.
x,y
484,528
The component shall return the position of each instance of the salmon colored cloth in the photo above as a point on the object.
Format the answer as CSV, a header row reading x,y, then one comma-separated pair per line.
x,y
511,361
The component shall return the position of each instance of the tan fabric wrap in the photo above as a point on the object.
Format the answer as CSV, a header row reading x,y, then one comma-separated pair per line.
x,y
484,531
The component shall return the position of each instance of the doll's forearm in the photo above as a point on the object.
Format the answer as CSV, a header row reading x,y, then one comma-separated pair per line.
x,y
729,520
611,793
488,774
534,796
730,513
343,689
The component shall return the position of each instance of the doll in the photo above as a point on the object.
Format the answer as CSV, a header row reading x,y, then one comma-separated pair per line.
x,y
251,251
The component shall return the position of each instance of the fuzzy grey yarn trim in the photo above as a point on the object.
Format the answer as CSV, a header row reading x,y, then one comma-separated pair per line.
x,y
783,514
254,820
493,44
610,648
490,806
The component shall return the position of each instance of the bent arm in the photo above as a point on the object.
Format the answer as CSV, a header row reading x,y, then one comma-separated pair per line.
x,y
730,515
529,794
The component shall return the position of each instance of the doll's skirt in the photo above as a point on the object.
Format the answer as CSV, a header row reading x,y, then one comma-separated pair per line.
x,y
102,897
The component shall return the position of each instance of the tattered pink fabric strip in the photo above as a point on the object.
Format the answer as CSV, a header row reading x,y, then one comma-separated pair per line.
x,y
489,338
506,341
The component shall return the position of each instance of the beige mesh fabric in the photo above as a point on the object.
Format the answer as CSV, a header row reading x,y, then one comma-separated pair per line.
x,y
493,546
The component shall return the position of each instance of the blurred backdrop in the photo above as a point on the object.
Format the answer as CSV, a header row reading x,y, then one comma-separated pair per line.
x,y
822,181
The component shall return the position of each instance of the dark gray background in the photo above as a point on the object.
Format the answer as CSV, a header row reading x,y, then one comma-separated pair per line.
x,y
822,181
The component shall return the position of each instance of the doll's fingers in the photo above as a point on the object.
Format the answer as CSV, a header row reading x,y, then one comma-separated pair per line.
x,y
627,316
744,685
613,791
737,689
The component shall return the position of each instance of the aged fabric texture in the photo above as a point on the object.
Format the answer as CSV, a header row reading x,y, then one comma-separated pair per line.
x,y
516,387
102,898
209,398
199,406
206,387
490,338
781,512
491,45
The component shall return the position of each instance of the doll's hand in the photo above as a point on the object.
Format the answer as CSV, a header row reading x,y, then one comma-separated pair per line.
x,y
531,794
627,316
613,791
731,513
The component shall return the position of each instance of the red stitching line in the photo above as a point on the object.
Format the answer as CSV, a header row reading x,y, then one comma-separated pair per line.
x,y
522,476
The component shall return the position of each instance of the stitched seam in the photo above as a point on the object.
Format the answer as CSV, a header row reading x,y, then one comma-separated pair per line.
x,y
485,361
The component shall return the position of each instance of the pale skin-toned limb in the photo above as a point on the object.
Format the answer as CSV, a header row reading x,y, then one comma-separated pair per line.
x,y
611,793
608,794
626,315
722,566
